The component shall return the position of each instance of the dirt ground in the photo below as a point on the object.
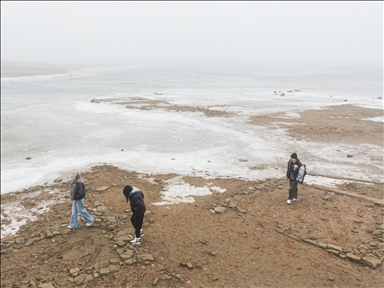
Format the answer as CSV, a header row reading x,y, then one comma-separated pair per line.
x,y
335,124
246,236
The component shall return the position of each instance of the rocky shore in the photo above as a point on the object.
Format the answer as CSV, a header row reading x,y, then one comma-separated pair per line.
x,y
245,237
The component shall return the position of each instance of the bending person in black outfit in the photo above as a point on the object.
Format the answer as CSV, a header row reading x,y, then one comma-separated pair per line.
x,y
136,200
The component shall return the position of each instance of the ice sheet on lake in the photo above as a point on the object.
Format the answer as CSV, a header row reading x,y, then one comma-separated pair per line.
x,y
52,120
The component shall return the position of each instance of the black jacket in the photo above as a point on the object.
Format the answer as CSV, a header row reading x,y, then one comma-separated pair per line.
x,y
293,169
136,200
79,191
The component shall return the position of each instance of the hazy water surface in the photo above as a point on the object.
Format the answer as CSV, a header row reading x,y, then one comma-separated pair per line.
x,y
51,119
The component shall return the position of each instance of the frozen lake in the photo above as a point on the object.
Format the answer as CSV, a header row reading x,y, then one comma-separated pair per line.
x,y
52,120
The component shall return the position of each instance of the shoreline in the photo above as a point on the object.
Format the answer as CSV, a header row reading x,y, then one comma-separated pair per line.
x,y
344,124
14,69
30,202
248,226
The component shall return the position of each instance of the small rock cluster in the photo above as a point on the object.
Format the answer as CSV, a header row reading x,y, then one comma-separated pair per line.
x,y
370,258
370,253
126,254
11,244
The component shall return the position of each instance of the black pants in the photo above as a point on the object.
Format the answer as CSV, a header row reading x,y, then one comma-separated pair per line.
x,y
292,190
137,222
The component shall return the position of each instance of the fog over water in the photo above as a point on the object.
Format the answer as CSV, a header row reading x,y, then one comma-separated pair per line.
x,y
300,34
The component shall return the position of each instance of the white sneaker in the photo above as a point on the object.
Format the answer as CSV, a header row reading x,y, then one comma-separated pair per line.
x,y
89,224
295,199
135,241
288,201
141,233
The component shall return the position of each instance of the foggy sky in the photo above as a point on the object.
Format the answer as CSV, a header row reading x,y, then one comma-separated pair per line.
x,y
230,33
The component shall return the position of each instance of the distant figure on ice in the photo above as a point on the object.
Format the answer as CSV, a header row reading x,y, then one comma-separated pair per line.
x,y
292,173
77,196
136,200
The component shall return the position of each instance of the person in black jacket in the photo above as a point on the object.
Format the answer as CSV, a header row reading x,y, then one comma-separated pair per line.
x,y
136,200
77,190
292,172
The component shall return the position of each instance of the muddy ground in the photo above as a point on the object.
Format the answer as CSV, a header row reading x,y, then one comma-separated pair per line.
x,y
246,236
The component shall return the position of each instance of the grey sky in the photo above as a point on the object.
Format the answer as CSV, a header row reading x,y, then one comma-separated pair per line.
x,y
279,33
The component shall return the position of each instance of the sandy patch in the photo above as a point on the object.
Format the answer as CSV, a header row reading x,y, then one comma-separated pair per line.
x,y
149,104
334,124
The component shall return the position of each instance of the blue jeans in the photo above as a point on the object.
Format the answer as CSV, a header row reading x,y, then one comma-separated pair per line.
x,y
78,208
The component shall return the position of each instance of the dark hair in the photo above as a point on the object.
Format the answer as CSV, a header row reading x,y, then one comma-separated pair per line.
x,y
294,156
127,189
